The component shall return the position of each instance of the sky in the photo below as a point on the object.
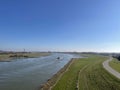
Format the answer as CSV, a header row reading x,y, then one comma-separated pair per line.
x,y
60,25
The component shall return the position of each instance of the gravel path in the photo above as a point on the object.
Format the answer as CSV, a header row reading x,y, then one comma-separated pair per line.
x,y
109,69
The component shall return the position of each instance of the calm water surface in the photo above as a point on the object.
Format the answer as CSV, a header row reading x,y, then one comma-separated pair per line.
x,y
29,74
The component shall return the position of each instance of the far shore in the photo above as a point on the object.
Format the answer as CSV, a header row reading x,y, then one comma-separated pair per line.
x,y
7,57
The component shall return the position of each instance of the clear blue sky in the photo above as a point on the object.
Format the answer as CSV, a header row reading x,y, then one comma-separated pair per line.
x,y
60,25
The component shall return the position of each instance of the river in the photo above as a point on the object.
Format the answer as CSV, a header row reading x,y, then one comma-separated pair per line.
x,y
29,74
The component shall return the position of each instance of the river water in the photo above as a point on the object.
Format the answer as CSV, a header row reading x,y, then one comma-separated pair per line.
x,y
29,74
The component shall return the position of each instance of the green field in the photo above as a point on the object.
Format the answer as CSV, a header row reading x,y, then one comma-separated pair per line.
x,y
87,74
115,64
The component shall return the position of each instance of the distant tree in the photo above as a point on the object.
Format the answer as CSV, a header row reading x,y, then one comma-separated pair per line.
x,y
116,56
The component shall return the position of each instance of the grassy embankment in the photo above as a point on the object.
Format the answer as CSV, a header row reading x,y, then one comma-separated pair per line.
x,y
115,64
87,74
10,56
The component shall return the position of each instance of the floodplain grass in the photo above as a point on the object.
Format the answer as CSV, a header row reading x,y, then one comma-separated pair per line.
x,y
115,64
36,54
89,74
7,56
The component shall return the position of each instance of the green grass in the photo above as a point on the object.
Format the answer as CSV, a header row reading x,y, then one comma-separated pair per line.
x,y
6,56
37,54
115,64
90,74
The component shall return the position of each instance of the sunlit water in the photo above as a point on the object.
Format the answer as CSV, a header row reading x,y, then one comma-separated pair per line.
x,y
29,74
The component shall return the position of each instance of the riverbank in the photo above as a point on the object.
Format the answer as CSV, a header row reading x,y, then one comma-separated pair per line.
x,y
87,74
7,57
52,81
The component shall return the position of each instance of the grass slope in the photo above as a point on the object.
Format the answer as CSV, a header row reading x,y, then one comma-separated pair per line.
x,y
87,74
115,64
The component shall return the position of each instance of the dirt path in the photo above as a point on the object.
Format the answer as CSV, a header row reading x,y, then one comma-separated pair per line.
x,y
109,69
79,76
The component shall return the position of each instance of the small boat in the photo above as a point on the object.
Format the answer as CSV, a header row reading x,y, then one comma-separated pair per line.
x,y
58,57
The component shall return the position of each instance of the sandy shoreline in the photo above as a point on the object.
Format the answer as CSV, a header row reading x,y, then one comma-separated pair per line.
x,y
52,81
